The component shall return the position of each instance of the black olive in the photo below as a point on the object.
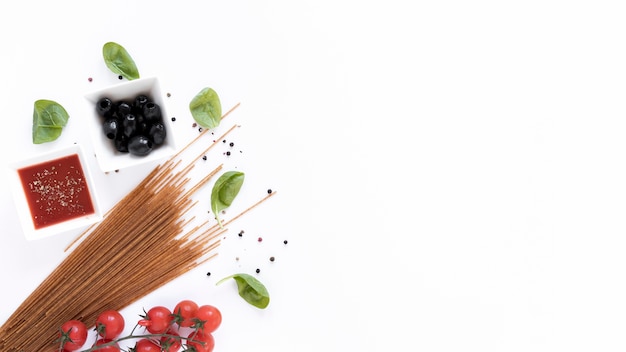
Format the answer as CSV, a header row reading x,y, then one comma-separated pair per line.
x,y
140,145
111,128
130,125
104,107
121,144
123,108
142,125
157,133
152,112
140,101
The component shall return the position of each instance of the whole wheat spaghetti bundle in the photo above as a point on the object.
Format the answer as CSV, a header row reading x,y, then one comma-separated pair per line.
x,y
142,243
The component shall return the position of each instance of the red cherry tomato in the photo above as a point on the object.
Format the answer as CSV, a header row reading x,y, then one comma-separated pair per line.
x,y
200,341
110,324
145,345
157,320
210,316
111,348
184,312
74,334
170,343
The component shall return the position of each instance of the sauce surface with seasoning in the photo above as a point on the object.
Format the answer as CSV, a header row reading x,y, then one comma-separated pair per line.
x,y
56,191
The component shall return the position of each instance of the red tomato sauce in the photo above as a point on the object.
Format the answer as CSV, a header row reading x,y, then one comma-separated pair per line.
x,y
56,191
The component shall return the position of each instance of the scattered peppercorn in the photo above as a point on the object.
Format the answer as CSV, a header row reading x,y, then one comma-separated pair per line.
x,y
269,191
258,270
260,239
241,233
118,170
272,259
90,79
224,141
194,125
204,157
227,153
232,144
173,119
285,241
208,274
169,95
200,129
119,77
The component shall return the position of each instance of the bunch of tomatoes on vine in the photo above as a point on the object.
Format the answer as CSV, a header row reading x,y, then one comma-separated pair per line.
x,y
188,328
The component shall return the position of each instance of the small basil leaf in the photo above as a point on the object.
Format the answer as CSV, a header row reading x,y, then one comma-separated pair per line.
x,y
49,118
206,108
250,289
119,61
225,190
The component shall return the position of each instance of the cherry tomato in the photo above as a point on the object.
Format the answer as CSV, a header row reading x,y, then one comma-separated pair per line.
x,y
200,341
74,335
112,348
184,312
157,320
170,344
145,345
210,316
110,324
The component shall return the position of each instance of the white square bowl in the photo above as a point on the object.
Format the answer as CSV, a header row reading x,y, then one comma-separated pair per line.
x,y
108,158
57,199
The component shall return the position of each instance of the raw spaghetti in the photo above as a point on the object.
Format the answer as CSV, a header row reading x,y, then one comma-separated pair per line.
x,y
144,239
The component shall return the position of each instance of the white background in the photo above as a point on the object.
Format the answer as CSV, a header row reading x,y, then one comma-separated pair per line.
x,y
450,174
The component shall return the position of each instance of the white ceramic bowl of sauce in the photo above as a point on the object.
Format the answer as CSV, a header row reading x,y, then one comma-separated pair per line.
x,y
54,193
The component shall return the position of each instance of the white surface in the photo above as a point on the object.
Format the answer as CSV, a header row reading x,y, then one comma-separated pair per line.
x,y
450,173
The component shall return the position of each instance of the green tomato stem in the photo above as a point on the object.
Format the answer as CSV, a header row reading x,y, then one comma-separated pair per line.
x,y
139,336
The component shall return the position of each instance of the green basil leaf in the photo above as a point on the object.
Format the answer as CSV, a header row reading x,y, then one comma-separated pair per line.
x,y
49,118
225,190
250,289
119,61
206,108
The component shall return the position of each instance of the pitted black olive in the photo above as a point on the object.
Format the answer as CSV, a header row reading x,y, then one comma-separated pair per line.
x,y
157,133
121,144
123,108
140,145
111,128
130,125
152,112
104,107
140,101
